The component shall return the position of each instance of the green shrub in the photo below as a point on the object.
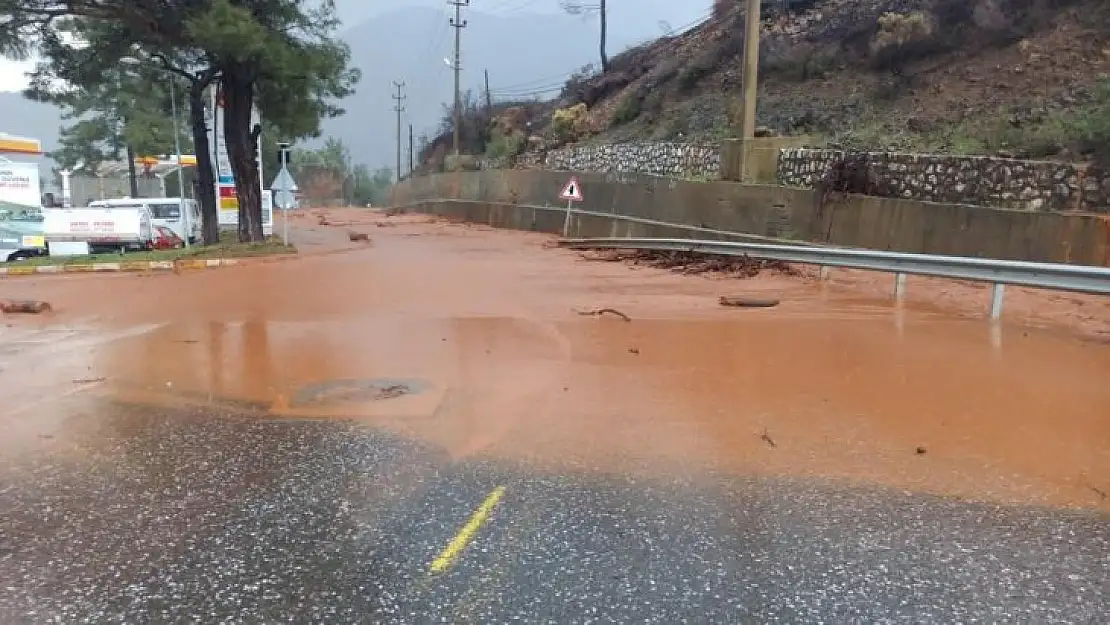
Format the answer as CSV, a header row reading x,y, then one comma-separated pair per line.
x,y
503,146
628,109
571,123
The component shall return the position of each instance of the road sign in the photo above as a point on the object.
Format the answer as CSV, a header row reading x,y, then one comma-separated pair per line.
x,y
284,186
572,192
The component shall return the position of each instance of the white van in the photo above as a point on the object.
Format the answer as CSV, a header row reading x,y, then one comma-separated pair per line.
x,y
165,211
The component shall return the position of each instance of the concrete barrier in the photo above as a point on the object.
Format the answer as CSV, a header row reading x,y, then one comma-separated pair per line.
x,y
641,205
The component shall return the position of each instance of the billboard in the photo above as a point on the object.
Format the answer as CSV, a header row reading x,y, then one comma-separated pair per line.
x,y
227,201
19,188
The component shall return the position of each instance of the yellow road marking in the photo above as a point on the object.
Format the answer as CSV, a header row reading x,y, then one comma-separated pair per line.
x,y
448,556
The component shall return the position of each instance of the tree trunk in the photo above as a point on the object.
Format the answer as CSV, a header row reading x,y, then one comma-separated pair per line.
x,y
132,175
206,179
242,151
604,56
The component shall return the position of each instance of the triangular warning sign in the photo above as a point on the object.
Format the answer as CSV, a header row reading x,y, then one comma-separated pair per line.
x,y
572,192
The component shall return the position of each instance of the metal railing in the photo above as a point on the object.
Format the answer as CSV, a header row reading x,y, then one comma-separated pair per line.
x,y
1058,277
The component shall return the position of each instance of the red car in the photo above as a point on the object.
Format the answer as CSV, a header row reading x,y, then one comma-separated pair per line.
x,y
166,239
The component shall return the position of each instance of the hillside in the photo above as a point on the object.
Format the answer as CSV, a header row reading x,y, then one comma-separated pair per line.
x,y
1017,77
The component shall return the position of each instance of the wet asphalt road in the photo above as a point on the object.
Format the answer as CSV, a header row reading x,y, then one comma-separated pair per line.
x,y
210,518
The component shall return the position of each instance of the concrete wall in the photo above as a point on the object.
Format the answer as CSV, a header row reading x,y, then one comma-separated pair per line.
x,y
688,208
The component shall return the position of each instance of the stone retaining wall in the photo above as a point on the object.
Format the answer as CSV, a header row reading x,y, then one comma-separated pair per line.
x,y
980,180
661,158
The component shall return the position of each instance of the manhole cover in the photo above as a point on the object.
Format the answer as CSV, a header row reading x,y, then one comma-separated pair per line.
x,y
356,391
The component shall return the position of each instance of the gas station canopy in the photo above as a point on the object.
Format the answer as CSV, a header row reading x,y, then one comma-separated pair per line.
x,y
11,144
147,164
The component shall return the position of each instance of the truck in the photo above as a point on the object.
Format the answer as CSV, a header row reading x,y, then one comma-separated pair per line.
x,y
164,211
21,233
121,228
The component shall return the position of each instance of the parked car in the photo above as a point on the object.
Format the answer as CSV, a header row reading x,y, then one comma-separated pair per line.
x,y
166,239
21,239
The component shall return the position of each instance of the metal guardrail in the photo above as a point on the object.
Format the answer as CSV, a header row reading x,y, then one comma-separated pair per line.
x,y
1053,276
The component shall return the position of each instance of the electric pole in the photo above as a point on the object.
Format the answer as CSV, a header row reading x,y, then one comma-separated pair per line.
x,y
751,69
489,98
458,23
412,155
398,106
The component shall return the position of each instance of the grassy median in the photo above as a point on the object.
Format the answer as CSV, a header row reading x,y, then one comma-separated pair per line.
x,y
228,247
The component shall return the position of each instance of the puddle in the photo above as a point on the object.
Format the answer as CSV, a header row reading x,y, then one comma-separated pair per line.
x,y
356,391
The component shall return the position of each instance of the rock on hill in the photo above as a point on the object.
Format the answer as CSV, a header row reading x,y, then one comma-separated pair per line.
x,y
1025,77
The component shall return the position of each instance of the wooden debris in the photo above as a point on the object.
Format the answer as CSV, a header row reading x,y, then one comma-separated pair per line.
x,y
747,302
766,438
390,392
742,266
603,311
33,307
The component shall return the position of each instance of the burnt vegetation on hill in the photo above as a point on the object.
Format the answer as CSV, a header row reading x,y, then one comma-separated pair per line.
x,y
1022,78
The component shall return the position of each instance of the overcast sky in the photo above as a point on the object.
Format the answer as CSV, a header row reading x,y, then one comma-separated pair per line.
x,y
675,13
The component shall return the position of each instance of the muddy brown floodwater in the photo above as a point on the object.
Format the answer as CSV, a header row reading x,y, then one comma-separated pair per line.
x,y
836,382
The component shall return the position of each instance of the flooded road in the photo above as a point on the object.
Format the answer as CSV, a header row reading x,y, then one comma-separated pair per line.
x,y
428,429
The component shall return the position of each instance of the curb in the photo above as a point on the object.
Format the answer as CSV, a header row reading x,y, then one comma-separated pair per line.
x,y
128,266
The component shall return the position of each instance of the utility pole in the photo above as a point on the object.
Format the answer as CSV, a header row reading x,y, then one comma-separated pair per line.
x,y
399,98
489,98
458,23
412,155
751,69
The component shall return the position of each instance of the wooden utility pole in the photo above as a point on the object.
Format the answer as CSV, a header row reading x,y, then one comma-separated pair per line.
x,y
603,14
412,155
751,70
458,23
398,106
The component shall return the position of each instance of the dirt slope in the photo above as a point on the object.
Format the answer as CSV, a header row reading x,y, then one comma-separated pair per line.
x,y
979,76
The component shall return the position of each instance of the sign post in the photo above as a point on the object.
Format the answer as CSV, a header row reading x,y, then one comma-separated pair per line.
x,y
572,193
283,188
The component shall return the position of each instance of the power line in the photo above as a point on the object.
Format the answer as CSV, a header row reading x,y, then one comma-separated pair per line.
x,y
507,7
548,84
